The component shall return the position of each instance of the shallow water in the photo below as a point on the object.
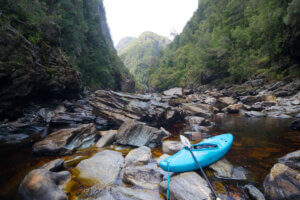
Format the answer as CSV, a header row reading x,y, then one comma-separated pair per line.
x,y
258,143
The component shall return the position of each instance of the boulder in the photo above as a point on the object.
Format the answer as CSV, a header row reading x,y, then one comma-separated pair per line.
x,y
65,141
138,134
136,194
139,156
147,177
224,169
103,168
171,147
96,192
253,99
223,102
291,160
255,114
46,183
254,193
107,139
235,108
187,186
196,135
162,157
282,183
202,110
173,92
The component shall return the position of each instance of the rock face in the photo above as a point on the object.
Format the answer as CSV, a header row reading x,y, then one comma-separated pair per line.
x,y
171,147
138,134
103,168
65,141
187,186
139,156
282,183
45,183
29,72
120,107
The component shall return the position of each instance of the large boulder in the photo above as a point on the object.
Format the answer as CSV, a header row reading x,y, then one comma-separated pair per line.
x,y
187,186
171,147
29,72
282,183
138,134
139,156
148,176
103,168
46,183
65,141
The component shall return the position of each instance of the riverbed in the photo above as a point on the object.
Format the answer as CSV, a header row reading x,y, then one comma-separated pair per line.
x,y
258,143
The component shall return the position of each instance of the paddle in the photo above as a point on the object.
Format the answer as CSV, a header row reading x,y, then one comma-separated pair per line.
x,y
187,143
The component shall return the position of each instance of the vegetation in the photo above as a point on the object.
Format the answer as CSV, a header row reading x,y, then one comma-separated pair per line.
x,y
232,40
138,54
78,27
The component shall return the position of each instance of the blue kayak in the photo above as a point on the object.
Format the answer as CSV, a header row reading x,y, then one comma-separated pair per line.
x,y
206,152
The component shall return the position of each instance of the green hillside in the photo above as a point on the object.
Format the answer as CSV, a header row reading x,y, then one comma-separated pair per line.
x,y
232,40
140,53
78,27
123,43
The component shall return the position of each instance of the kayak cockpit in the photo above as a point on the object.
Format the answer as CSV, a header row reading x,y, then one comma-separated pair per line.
x,y
206,146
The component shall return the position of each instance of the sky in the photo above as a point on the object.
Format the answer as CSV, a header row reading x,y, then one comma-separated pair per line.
x,y
133,17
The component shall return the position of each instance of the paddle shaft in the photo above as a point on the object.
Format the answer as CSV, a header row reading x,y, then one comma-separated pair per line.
x,y
202,171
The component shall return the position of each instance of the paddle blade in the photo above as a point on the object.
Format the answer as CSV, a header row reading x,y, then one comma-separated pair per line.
x,y
185,141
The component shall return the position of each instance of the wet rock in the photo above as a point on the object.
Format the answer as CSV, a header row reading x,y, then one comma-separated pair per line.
x,y
291,160
173,92
103,168
253,99
106,139
282,183
295,125
224,169
171,147
46,183
147,177
196,135
223,102
202,110
102,133
138,134
254,193
233,109
96,192
278,115
220,115
135,194
177,101
187,186
65,141
210,100
139,156
254,114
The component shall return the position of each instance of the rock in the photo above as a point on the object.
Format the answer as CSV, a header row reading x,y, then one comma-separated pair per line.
x,y
233,109
102,133
223,102
220,115
147,177
254,193
196,135
253,99
196,120
187,186
162,157
210,100
295,125
28,73
103,168
134,194
282,183
173,92
171,147
127,84
107,139
46,183
95,192
139,156
138,134
224,169
202,110
177,101
65,141
291,160
278,115
254,114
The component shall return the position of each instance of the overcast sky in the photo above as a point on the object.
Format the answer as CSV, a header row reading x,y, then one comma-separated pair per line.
x,y
132,17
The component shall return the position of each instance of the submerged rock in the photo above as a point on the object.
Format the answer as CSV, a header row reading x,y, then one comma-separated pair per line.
x,y
138,134
103,168
46,183
139,156
171,147
187,186
65,141
282,183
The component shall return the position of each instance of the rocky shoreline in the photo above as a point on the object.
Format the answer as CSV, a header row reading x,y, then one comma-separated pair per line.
x,y
139,120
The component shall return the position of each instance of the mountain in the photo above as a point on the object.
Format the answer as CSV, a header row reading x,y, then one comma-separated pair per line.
x,y
140,53
232,41
124,43
43,45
